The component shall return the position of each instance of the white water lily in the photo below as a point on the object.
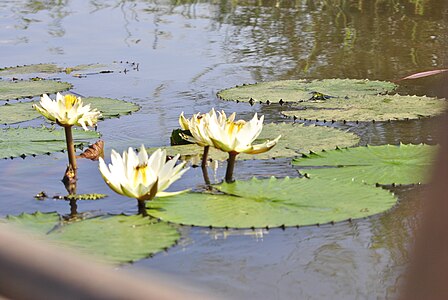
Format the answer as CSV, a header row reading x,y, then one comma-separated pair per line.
x,y
139,176
198,123
67,111
238,136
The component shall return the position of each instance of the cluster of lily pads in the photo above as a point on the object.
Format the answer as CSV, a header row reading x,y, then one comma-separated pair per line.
x,y
335,182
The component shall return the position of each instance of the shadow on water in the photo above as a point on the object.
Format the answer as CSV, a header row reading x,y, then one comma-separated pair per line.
x,y
187,51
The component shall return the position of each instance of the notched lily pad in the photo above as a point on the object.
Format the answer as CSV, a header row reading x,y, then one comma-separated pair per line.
x,y
92,196
111,108
30,88
82,70
296,139
34,70
23,111
121,239
388,164
369,108
261,203
303,90
22,142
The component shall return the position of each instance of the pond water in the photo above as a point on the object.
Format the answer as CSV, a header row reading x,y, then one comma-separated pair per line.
x,y
187,51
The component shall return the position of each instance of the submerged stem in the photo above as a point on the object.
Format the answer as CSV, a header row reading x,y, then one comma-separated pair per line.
x,y
230,166
71,149
73,208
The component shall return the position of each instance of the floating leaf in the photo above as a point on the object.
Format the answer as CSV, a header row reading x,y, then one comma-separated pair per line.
x,y
93,196
94,152
37,223
302,90
15,142
111,108
296,138
90,69
23,111
114,239
370,108
77,71
177,139
387,164
274,202
30,69
17,112
30,88
122,238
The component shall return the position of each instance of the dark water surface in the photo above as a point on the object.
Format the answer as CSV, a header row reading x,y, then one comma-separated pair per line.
x,y
187,51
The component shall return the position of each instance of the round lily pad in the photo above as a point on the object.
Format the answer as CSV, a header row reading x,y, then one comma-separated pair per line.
x,y
369,108
21,142
29,88
111,108
302,90
30,69
121,239
296,138
78,70
17,112
260,203
387,164
23,111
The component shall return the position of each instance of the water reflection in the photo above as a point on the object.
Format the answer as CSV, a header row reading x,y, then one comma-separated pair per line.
x,y
282,39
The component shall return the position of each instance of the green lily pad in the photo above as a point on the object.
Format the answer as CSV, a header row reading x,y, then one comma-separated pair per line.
x,y
369,108
92,196
21,142
52,69
17,112
302,90
296,138
111,108
387,164
30,69
23,111
29,88
37,223
115,239
259,203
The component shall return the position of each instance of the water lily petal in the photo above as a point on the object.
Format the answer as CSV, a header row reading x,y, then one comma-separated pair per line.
x,y
139,176
261,148
184,123
67,110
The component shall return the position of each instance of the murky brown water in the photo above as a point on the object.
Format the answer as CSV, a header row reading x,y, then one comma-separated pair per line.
x,y
188,50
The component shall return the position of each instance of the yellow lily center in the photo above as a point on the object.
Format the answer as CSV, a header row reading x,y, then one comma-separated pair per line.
x,y
235,126
140,172
70,100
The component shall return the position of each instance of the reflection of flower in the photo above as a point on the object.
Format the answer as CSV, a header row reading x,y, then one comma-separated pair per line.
x,y
198,123
67,111
140,176
238,136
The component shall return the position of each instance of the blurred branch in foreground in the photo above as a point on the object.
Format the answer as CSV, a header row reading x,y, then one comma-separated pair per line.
x,y
31,269
428,271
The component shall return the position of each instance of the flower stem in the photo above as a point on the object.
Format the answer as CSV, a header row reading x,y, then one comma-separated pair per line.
x,y
205,156
142,208
204,166
230,166
71,149
205,175
73,208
